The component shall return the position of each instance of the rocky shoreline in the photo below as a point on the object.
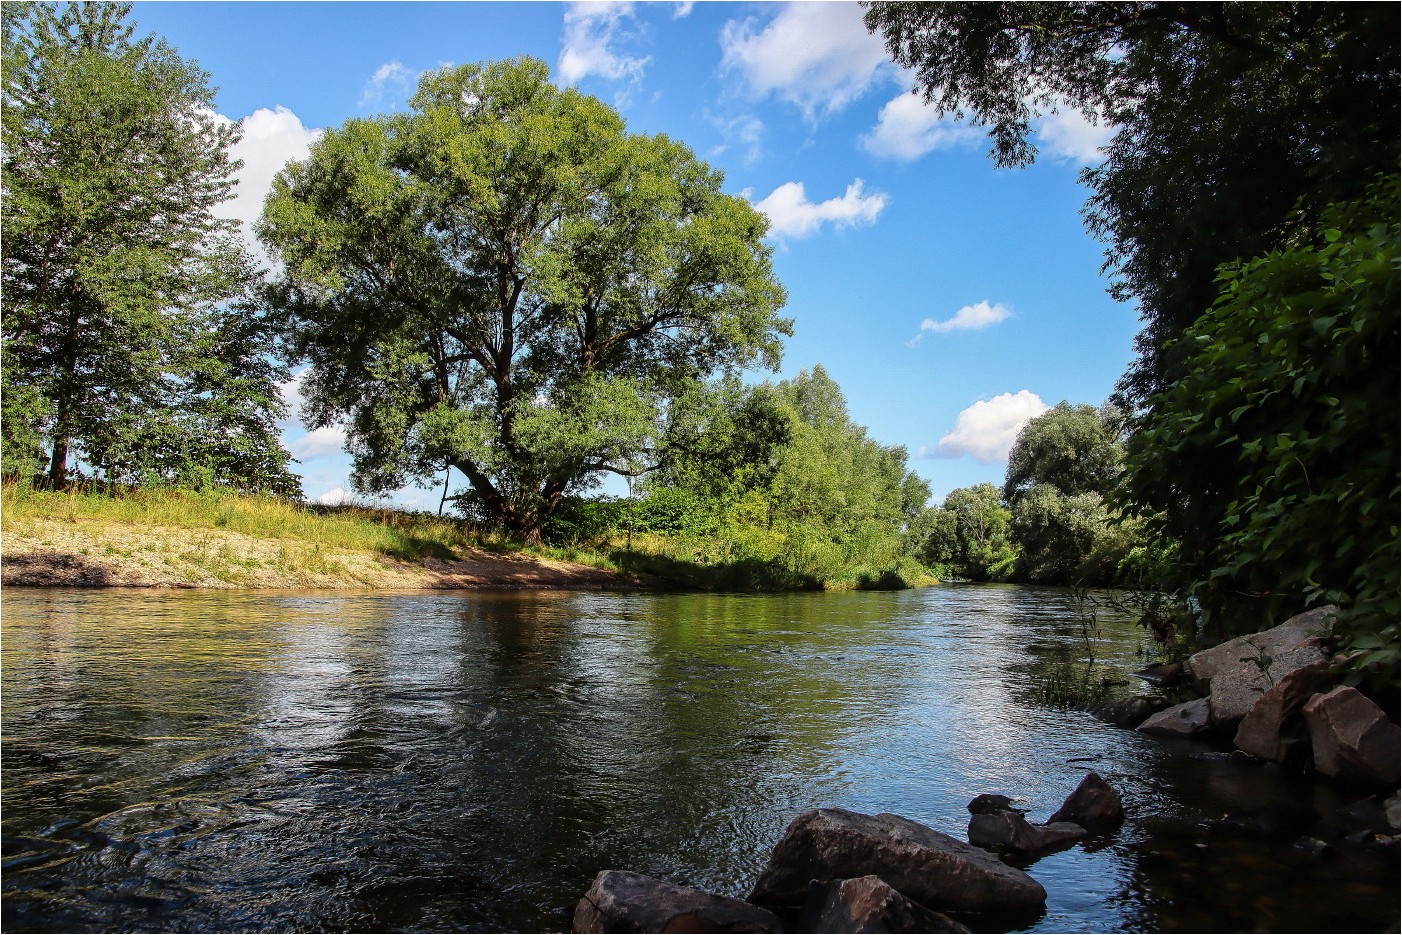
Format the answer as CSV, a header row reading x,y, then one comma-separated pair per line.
x,y
1271,693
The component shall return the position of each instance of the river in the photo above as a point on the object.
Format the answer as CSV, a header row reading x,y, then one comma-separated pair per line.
x,y
453,761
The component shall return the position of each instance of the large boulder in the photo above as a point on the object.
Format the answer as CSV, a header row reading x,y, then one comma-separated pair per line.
x,y
1182,720
1010,830
1235,674
620,901
1094,805
1274,725
868,904
1352,737
933,869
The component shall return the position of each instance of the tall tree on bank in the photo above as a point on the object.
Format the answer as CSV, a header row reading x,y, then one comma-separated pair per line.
x,y
506,282
122,334
1228,117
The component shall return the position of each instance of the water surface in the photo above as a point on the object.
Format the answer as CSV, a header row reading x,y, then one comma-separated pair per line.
x,y
241,761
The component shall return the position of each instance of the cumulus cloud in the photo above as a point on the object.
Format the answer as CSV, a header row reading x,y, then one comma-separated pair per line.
x,y
969,318
986,430
592,32
318,443
391,78
818,56
791,214
336,496
271,139
907,128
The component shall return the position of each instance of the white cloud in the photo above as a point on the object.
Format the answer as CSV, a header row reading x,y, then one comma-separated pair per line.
x,y
974,317
318,443
818,56
337,496
907,128
791,214
744,131
1067,134
986,430
592,31
683,9
389,77
271,139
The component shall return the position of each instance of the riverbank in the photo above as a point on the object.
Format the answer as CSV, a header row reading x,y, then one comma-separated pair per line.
x,y
177,539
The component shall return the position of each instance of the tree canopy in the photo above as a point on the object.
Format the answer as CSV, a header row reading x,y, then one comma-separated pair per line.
x,y
1076,449
506,282
1274,462
1228,117
124,338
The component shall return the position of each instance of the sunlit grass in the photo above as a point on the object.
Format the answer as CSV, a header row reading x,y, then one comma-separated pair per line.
x,y
351,528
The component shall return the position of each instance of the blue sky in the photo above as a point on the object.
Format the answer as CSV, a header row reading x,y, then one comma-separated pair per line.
x,y
951,300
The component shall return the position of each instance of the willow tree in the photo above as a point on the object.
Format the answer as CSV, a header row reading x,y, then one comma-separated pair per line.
x,y
506,282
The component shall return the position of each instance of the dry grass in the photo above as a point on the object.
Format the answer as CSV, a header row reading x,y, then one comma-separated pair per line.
x,y
171,538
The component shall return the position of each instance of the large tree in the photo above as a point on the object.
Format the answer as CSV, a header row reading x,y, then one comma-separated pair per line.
x,y
123,336
1228,116
506,282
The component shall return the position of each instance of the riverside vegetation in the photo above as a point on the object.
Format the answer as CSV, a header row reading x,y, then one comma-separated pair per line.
x,y
571,300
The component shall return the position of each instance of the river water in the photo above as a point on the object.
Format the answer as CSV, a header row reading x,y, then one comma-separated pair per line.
x,y
452,761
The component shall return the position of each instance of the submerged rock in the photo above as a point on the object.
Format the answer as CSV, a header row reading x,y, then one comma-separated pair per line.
x,y
620,901
1184,720
868,904
1094,805
1010,830
933,869
1129,712
989,803
1352,737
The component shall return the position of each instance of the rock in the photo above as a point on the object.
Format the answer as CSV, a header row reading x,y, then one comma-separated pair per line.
x,y
868,904
1128,712
1393,808
1313,846
1274,725
1235,691
1203,666
1094,805
1352,737
1009,829
1164,673
620,901
931,868
1183,720
1368,815
987,803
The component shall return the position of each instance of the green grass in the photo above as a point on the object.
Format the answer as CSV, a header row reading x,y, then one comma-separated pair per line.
x,y
408,536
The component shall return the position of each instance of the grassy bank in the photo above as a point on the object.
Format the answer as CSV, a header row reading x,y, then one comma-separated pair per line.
x,y
168,537
165,537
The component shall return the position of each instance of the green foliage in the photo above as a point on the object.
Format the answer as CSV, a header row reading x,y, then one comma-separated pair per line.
x,y
505,281
774,486
120,340
1227,115
1274,461
1075,449
970,534
1060,468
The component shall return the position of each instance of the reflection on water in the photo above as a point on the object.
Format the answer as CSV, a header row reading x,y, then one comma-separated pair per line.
x,y
186,761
